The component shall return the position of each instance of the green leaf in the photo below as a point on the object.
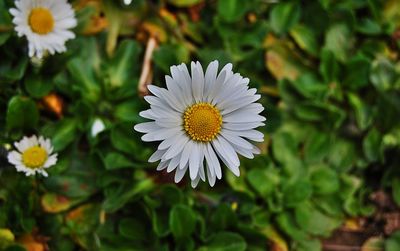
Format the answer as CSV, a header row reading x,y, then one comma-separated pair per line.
x,y
182,221
132,229
305,38
11,71
85,79
38,86
172,54
4,37
393,242
313,221
362,111
22,113
225,241
325,180
284,16
117,197
287,224
263,181
396,190
316,147
128,111
329,67
62,134
383,74
117,161
297,192
231,10
224,217
184,3
357,72
124,65
372,145
339,40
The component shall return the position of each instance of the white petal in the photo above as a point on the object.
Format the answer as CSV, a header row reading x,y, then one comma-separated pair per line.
x,y
147,127
187,151
213,160
176,148
236,140
179,173
210,77
194,161
14,158
156,156
197,81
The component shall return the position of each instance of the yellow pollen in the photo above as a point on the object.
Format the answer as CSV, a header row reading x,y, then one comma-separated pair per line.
x,y
34,157
41,21
202,122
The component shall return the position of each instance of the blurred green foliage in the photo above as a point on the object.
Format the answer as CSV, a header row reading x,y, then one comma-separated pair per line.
x,y
329,74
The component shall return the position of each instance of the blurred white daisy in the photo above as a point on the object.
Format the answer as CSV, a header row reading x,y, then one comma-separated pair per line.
x,y
45,23
33,155
202,118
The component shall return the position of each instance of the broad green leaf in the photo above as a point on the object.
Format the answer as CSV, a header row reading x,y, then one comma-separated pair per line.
x,y
132,229
128,111
117,197
329,67
362,111
305,38
182,221
357,72
124,65
85,79
38,86
22,113
372,145
396,190
62,133
231,10
184,3
284,16
115,161
339,40
287,224
263,181
325,181
225,241
167,55
296,193
314,221
393,242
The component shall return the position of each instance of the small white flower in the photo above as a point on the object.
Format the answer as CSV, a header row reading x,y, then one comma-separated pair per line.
x,y
45,23
97,127
33,155
201,117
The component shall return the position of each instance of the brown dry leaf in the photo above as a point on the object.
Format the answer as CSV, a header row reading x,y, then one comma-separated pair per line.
x,y
195,11
34,242
155,30
54,203
282,64
169,17
373,244
54,104
97,24
276,241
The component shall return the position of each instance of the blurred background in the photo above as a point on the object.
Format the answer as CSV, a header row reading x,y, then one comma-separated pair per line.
x,y
328,177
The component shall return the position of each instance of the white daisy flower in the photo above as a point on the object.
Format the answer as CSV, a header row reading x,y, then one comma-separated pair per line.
x,y
202,118
33,155
45,23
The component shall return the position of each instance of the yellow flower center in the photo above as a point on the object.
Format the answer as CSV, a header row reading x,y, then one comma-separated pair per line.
x,y
34,157
202,122
41,21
